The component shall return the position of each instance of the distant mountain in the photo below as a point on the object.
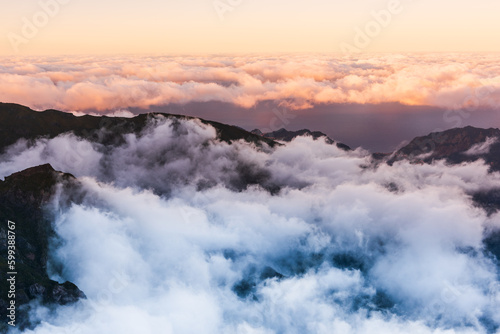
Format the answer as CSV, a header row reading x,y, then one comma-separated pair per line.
x,y
288,136
17,122
455,146
23,199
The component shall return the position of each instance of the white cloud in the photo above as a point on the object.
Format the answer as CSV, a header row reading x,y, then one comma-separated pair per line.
x,y
155,252
482,148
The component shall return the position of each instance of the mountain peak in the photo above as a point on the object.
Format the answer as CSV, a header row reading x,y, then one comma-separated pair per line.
x,y
42,169
23,199
455,145
18,122
287,136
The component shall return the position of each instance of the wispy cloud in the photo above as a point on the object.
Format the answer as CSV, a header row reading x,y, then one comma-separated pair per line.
x,y
335,249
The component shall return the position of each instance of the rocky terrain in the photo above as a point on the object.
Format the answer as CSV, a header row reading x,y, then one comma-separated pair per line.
x,y
455,146
24,199
288,136
17,122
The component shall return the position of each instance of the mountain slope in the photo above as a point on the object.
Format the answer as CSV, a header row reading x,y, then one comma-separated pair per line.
x,y
455,146
23,198
17,122
288,136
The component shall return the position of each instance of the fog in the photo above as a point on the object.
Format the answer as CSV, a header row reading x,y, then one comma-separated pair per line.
x,y
181,233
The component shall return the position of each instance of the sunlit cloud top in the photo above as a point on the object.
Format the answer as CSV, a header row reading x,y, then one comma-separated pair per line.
x,y
298,82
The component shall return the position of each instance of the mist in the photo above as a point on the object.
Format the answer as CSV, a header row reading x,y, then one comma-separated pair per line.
x,y
179,232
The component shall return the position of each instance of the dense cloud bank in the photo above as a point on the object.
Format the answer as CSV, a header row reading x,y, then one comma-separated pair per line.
x,y
180,233
112,84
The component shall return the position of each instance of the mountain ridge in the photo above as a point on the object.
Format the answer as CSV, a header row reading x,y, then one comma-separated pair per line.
x,y
287,136
455,145
17,121
25,194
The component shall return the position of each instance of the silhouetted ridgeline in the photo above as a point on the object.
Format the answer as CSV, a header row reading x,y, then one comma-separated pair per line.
x,y
17,122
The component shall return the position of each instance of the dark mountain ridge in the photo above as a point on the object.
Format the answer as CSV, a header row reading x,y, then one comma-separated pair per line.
x,y
456,146
287,136
24,197
18,122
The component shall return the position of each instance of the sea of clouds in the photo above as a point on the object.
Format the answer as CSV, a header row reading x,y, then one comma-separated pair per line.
x,y
115,84
181,233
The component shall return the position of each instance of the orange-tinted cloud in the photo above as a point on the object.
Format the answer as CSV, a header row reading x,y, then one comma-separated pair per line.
x,y
299,81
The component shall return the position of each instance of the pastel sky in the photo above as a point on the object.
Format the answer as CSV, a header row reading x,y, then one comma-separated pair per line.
x,y
235,61
196,26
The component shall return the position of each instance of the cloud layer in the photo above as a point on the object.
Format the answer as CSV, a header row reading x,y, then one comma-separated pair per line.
x,y
172,238
110,84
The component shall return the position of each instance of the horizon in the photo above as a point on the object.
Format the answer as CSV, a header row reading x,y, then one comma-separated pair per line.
x,y
371,100
393,146
164,224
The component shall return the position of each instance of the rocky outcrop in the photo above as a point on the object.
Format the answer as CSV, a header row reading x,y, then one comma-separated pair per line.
x,y
24,197
288,136
455,146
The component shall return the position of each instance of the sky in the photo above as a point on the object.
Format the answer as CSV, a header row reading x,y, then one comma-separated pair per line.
x,y
370,100
173,213
240,26
368,72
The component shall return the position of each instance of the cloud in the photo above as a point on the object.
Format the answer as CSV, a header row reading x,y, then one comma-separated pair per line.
x,y
106,84
173,237
482,148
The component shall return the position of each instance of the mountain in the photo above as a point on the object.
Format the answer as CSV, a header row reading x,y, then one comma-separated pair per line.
x,y
18,121
455,146
24,197
288,136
